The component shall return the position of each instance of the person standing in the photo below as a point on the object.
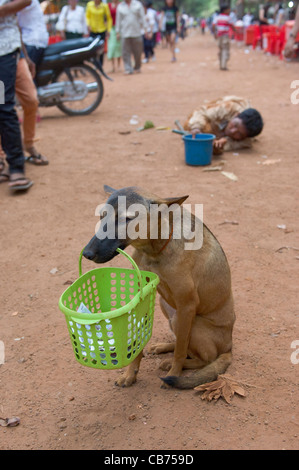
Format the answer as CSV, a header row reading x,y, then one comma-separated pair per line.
x,y
129,26
72,22
222,25
289,47
148,36
154,15
114,44
10,133
171,14
35,38
34,32
203,25
99,21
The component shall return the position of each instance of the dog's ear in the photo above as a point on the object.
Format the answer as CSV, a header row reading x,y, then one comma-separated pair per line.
x,y
108,189
173,200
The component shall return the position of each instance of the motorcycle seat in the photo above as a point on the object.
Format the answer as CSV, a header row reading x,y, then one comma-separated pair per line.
x,y
67,45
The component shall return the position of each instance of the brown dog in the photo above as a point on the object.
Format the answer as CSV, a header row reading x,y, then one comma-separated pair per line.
x,y
195,286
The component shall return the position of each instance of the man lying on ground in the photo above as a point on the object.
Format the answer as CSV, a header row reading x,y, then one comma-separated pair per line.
x,y
230,119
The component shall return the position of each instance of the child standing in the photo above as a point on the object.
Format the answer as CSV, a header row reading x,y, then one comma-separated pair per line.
x,y
221,26
170,13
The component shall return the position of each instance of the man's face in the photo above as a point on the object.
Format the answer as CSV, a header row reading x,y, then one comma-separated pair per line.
x,y
236,129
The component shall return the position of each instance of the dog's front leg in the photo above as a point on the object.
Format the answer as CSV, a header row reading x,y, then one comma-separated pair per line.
x,y
186,311
129,377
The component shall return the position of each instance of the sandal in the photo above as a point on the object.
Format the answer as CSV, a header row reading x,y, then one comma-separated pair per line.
x,y
38,160
14,184
2,164
4,177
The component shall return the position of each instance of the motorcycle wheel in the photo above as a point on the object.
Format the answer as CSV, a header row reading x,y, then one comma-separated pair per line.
x,y
88,75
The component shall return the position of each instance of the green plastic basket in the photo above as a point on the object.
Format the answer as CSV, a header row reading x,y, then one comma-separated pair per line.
x,y
122,303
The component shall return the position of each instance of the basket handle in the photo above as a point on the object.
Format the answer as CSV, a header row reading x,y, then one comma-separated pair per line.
x,y
131,261
136,269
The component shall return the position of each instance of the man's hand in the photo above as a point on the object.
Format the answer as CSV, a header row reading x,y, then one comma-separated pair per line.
x,y
218,145
194,132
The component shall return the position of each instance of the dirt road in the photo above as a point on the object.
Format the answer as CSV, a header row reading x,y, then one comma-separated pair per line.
x,y
63,405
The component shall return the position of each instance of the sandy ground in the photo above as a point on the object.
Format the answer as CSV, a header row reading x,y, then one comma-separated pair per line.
x,y
63,405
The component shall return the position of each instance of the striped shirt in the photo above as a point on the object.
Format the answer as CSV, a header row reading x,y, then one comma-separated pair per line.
x,y
223,24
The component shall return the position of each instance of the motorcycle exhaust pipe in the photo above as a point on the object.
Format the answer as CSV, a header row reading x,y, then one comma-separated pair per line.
x,y
91,87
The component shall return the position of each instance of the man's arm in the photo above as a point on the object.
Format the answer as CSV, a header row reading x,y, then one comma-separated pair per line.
x,y
289,47
13,7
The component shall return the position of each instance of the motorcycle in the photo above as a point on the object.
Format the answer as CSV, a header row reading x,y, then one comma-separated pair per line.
x,y
69,76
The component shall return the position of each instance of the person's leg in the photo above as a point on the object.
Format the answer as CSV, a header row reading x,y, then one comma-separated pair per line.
x,y
102,36
224,51
221,53
172,37
227,50
10,132
137,48
126,55
27,96
146,49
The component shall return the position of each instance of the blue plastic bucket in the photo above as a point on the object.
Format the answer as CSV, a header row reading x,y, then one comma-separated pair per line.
x,y
198,149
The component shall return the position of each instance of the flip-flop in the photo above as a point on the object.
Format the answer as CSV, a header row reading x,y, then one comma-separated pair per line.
x,y
37,160
2,164
20,187
4,177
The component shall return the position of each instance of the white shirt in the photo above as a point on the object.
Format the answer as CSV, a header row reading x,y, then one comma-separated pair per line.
x,y
72,21
149,24
10,38
32,23
153,15
247,20
130,19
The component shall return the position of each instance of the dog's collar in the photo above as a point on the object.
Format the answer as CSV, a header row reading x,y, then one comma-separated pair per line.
x,y
170,237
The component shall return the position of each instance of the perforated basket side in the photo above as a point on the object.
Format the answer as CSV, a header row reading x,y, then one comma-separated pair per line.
x,y
113,344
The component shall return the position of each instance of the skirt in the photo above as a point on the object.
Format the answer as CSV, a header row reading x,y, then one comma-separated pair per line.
x,y
114,46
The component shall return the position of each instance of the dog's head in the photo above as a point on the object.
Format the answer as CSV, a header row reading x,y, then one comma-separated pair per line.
x,y
124,216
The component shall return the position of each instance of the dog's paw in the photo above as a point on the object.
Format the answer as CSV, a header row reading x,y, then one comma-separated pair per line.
x,y
126,380
161,348
155,349
166,364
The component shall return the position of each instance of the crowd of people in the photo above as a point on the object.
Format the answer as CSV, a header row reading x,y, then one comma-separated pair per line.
x,y
132,30
225,25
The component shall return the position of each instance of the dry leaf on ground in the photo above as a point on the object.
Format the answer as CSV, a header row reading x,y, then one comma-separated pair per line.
x,y
271,162
213,168
225,386
230,175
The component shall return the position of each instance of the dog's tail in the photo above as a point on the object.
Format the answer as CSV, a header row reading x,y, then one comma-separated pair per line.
x,y
208,373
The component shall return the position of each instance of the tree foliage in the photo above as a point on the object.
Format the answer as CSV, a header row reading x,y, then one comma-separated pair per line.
x,y
194,8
